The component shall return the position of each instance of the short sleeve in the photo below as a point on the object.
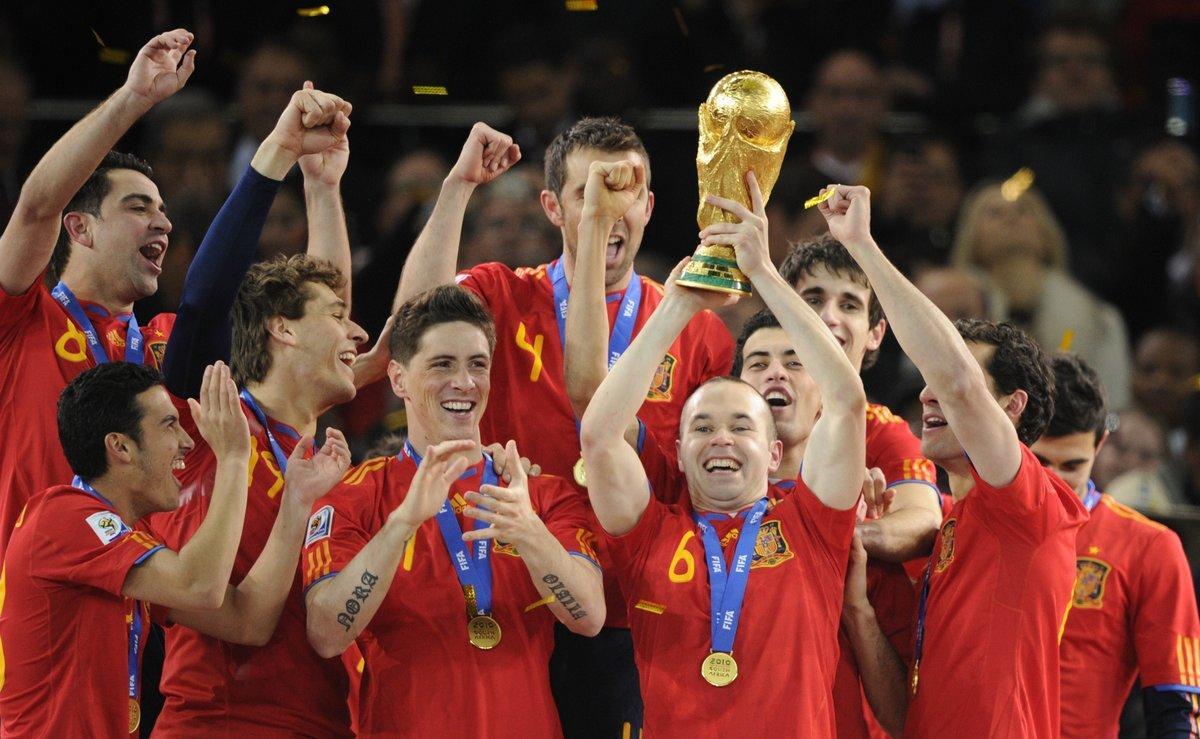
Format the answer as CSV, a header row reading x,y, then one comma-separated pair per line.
x,y
566,517
1166,631
1033,506
19,310
831,529
631,550
337,530
894,449
487,281
667,483
82,541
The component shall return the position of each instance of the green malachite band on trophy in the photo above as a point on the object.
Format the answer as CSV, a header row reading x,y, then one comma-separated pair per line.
x,y
722,284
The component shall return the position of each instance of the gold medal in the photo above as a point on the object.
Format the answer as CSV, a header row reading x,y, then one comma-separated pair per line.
x,y
483,632
719,669
580,474
135,715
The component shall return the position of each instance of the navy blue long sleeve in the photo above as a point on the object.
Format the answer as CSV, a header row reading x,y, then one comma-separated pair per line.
x,y
203,330
1170,714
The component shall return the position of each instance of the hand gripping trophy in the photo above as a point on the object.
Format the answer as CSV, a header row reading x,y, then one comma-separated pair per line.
x,y
744,125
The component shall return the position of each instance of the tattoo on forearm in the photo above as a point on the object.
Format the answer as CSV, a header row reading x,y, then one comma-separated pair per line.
x,y
361,593
563,596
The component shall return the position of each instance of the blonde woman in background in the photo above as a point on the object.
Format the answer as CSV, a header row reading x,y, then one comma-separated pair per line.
x,y
1012,239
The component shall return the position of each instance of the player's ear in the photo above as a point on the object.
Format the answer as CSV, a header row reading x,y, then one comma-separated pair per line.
x,y
876,334
1014,404
679,454
396,374
78,227
776,456
649,206
118,446
551,207
279,329
1103,440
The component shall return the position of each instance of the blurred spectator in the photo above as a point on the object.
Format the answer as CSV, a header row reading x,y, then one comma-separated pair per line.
x,y
270,74
286,229
918,201
1014,241
14,102
188,148
609,83
1159,206
957,292
1136,443
538,84
1072,134
407,198
848,102
1165,364
1191,448
505,223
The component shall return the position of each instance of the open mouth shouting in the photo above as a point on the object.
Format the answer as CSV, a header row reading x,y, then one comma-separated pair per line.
x,y
778,396
347,357
152,253
612,254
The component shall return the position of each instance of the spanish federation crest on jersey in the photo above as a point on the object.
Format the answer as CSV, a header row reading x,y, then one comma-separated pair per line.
x,y
771,549
107,525
946,553
1091,575
664,376
320,525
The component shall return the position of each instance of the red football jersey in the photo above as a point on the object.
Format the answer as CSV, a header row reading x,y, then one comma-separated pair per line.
x,y
1002,572
1133,614
41,350
891,594
529,402
421,676
64,625
786,643
211,686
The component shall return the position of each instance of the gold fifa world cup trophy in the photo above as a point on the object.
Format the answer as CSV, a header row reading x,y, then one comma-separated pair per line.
x,y
744,125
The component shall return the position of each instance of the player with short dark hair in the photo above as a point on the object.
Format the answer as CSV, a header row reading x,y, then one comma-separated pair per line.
x,y
456,628
995,592
82,578
755,635
542,386
1133,609
95,219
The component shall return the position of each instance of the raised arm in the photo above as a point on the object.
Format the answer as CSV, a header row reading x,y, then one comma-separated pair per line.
x,y
833,459
313,122
617,484
573,584
612,188
932,343
158,71
486,155
374,568
328,238
250,611
197,576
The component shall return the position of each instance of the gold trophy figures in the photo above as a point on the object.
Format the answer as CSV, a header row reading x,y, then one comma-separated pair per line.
x,y
744,125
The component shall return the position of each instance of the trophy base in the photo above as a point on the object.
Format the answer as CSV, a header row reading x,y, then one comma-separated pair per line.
x,y
715,268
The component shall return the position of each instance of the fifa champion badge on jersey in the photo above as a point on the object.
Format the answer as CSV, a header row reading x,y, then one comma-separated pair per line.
x,y
719,669
483,632
745,125
135,715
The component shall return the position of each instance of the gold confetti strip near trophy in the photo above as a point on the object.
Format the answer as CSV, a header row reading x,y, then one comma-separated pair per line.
x,y
745,125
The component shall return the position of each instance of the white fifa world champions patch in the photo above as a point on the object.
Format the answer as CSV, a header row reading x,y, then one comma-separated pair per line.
x,y
320,524
107,525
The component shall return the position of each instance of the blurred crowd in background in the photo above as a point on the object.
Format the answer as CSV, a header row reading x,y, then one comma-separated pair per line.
x,y
1029,161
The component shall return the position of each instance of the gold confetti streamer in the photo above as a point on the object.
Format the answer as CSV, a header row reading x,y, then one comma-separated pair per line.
x,y
313,12
680,22
97,36
1015,186
429,90
109,55
713,68
1067,339
577,5
821,198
